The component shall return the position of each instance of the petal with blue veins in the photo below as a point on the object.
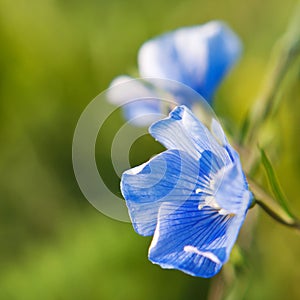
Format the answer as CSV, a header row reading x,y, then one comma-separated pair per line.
x,y
231,189
183,131
218,132
170,176
195,241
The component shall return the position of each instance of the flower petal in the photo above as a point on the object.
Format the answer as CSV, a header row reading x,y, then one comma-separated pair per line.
x,y
231,189
195,241
218,132
170,176
183,131
140,102
198,56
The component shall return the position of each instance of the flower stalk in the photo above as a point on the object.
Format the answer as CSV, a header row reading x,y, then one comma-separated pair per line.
x,y
285,55
271,207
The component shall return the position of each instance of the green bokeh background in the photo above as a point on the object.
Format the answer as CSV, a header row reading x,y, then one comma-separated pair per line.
x,y
55,57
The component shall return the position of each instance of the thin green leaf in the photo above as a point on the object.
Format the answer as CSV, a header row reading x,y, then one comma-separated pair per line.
x,y
274,183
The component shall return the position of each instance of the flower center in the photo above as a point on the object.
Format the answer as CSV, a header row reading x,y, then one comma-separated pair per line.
x,y
210,199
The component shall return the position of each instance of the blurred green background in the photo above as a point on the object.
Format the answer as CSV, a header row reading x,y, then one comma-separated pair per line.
x,y
55,57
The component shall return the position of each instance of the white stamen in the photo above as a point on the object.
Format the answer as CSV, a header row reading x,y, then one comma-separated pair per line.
x,y
211,200
223,211
198,191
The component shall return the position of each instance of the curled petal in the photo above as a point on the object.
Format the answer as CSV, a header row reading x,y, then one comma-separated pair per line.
x,y
231,189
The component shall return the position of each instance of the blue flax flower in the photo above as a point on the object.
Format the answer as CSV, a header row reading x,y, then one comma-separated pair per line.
x,y
193,197
197,56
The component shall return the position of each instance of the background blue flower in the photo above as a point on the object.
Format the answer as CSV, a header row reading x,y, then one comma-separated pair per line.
x,y
193,197
139,100
198,57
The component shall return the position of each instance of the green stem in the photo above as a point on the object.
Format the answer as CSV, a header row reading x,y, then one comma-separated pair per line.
x,y
271,207
294,224
286,54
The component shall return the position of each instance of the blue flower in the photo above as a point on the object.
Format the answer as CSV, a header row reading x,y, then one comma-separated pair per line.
x,y
139,100
193,197
198,57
